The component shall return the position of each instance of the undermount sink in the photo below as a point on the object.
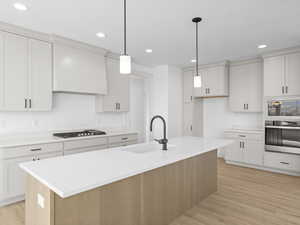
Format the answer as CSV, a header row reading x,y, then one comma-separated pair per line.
x,y
146,148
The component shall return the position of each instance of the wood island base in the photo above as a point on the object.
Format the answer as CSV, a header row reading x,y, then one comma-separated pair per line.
x,y
156,197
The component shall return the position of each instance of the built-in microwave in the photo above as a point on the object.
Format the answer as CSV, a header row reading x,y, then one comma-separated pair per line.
x,y
288,109
282,136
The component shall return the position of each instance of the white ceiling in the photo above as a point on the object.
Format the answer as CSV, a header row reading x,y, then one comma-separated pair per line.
x,y
231,29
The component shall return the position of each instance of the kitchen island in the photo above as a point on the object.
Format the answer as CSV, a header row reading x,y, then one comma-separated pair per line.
x,y
132,185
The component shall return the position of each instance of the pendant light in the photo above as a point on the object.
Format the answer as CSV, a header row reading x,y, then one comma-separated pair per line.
x,y
125,60
197,77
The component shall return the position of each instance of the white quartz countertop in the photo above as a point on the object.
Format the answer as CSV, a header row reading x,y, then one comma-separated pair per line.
x,y
71,175
34,139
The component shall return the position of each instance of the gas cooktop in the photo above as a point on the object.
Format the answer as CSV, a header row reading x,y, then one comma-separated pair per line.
x,y
83,133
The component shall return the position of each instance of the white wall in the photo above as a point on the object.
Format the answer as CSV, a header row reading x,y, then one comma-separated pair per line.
x,y
166,99
217,117
175,103
70,111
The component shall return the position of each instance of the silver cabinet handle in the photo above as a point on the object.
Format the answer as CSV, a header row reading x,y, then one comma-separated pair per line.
x,y
243,144
126,138
240,144
247,106
282,89
36,149
208,90
30,103
286,89
285,163
25,103
244,106
242,135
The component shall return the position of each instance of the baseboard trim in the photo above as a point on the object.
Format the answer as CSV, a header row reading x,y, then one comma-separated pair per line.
x,y
13,200
273,170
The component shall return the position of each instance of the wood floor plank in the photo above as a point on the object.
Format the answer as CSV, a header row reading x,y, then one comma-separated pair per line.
x,y
245,197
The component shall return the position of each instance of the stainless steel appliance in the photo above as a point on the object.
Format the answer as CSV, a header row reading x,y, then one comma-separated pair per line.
x,y
79,133
282,136
283,108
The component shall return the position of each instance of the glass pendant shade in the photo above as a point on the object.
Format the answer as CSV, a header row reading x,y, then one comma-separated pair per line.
x,y
197,81
125,64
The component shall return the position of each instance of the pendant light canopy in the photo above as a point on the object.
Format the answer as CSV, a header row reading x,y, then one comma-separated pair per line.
x,y
125,60
197,77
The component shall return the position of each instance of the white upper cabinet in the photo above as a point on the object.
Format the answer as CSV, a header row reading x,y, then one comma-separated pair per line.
x,y
1,71
292,76
282,75
188,83
40,76
214,81
78,68
274,76
117,98
15,72
246,86
27,74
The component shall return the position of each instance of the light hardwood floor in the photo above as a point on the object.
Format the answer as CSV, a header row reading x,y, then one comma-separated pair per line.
x,y
245,197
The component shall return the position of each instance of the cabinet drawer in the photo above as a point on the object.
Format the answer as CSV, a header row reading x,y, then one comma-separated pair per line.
x,y
81,150
28,150
282,161
122,138
241,135
115,145
85,143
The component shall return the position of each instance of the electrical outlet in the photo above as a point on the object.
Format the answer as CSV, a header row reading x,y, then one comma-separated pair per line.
x,y
40,201
35,123
2,124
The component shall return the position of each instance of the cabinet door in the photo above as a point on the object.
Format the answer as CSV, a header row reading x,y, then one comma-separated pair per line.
x,y
15,72
238,88
255,89
118,89
274,78
40,85
213,81
1,71
188,86
14,177
253,152
234,152
187,119
293,74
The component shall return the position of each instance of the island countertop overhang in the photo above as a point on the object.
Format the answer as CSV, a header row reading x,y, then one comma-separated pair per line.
x,y
71,175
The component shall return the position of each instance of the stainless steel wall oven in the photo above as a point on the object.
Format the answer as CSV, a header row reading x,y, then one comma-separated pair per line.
x,y
282,136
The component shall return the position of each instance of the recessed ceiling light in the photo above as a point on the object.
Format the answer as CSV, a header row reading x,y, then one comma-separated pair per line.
x,y
193,60
148,50
101,35
20,6
262,46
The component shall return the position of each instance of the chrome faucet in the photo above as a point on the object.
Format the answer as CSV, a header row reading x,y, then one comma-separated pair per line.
x,y
163,141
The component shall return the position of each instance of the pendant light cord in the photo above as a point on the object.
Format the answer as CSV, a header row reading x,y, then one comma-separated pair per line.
x,y
197,54
125,47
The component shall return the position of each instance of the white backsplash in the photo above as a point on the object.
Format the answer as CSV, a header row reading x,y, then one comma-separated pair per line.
x,y
70,111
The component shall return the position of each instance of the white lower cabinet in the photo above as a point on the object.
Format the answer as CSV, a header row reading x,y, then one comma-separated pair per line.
x,y
247,148
13,177
281,161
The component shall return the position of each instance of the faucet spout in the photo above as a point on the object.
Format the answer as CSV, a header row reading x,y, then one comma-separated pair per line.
x,y
163,141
